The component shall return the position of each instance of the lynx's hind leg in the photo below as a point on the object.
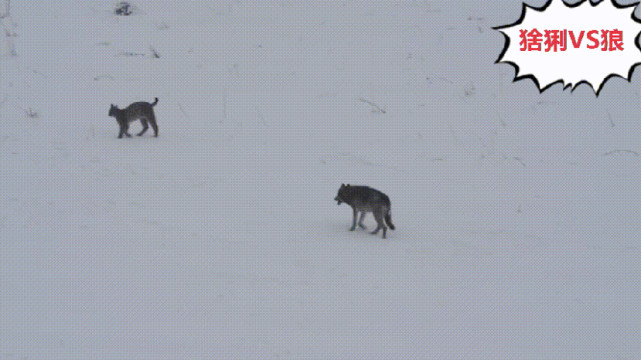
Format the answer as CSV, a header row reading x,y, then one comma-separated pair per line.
x,y
152,122
143,121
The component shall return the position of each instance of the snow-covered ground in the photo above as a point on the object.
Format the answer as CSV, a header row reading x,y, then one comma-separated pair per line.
x,y
517,212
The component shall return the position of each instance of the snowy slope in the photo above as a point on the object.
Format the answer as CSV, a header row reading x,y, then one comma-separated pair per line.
x,y
517,213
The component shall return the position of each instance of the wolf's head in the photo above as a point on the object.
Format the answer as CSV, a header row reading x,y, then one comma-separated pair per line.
x,y
342,192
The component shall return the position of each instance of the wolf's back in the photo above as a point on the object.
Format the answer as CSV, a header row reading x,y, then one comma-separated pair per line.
x,y
372,195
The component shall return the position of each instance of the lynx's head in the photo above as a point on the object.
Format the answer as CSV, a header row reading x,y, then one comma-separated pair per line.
x,y
113,110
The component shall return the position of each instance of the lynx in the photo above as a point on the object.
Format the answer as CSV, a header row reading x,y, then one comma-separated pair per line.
x,y
142,111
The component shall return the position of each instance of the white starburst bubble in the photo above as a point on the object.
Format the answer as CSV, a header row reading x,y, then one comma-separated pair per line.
x,y
573,44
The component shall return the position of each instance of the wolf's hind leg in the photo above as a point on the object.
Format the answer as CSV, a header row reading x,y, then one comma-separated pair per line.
x,y
379,224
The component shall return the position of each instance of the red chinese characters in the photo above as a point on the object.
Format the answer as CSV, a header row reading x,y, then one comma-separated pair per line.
x,y
554,40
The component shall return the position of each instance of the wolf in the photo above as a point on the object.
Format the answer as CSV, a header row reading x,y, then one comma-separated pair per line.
x,y
142,111
364,199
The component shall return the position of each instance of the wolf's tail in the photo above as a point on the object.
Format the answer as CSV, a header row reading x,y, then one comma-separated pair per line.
x,y
155,102
388,220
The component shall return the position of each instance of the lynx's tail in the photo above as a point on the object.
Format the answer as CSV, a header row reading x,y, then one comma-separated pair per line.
x,y
155,102
388,220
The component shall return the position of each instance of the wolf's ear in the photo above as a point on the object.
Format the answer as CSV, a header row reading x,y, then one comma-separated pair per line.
x,y
342,186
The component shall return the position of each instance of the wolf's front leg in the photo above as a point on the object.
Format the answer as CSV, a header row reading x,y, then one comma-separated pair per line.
x,y
360,222
354,220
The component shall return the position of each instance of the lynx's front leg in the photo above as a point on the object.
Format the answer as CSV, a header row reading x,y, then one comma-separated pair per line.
x,y
124,130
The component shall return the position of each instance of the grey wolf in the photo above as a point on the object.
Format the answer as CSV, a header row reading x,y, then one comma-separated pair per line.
x,y
365,199
142,111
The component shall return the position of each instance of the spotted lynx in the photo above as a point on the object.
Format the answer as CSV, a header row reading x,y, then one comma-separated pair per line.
x,y
142,111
